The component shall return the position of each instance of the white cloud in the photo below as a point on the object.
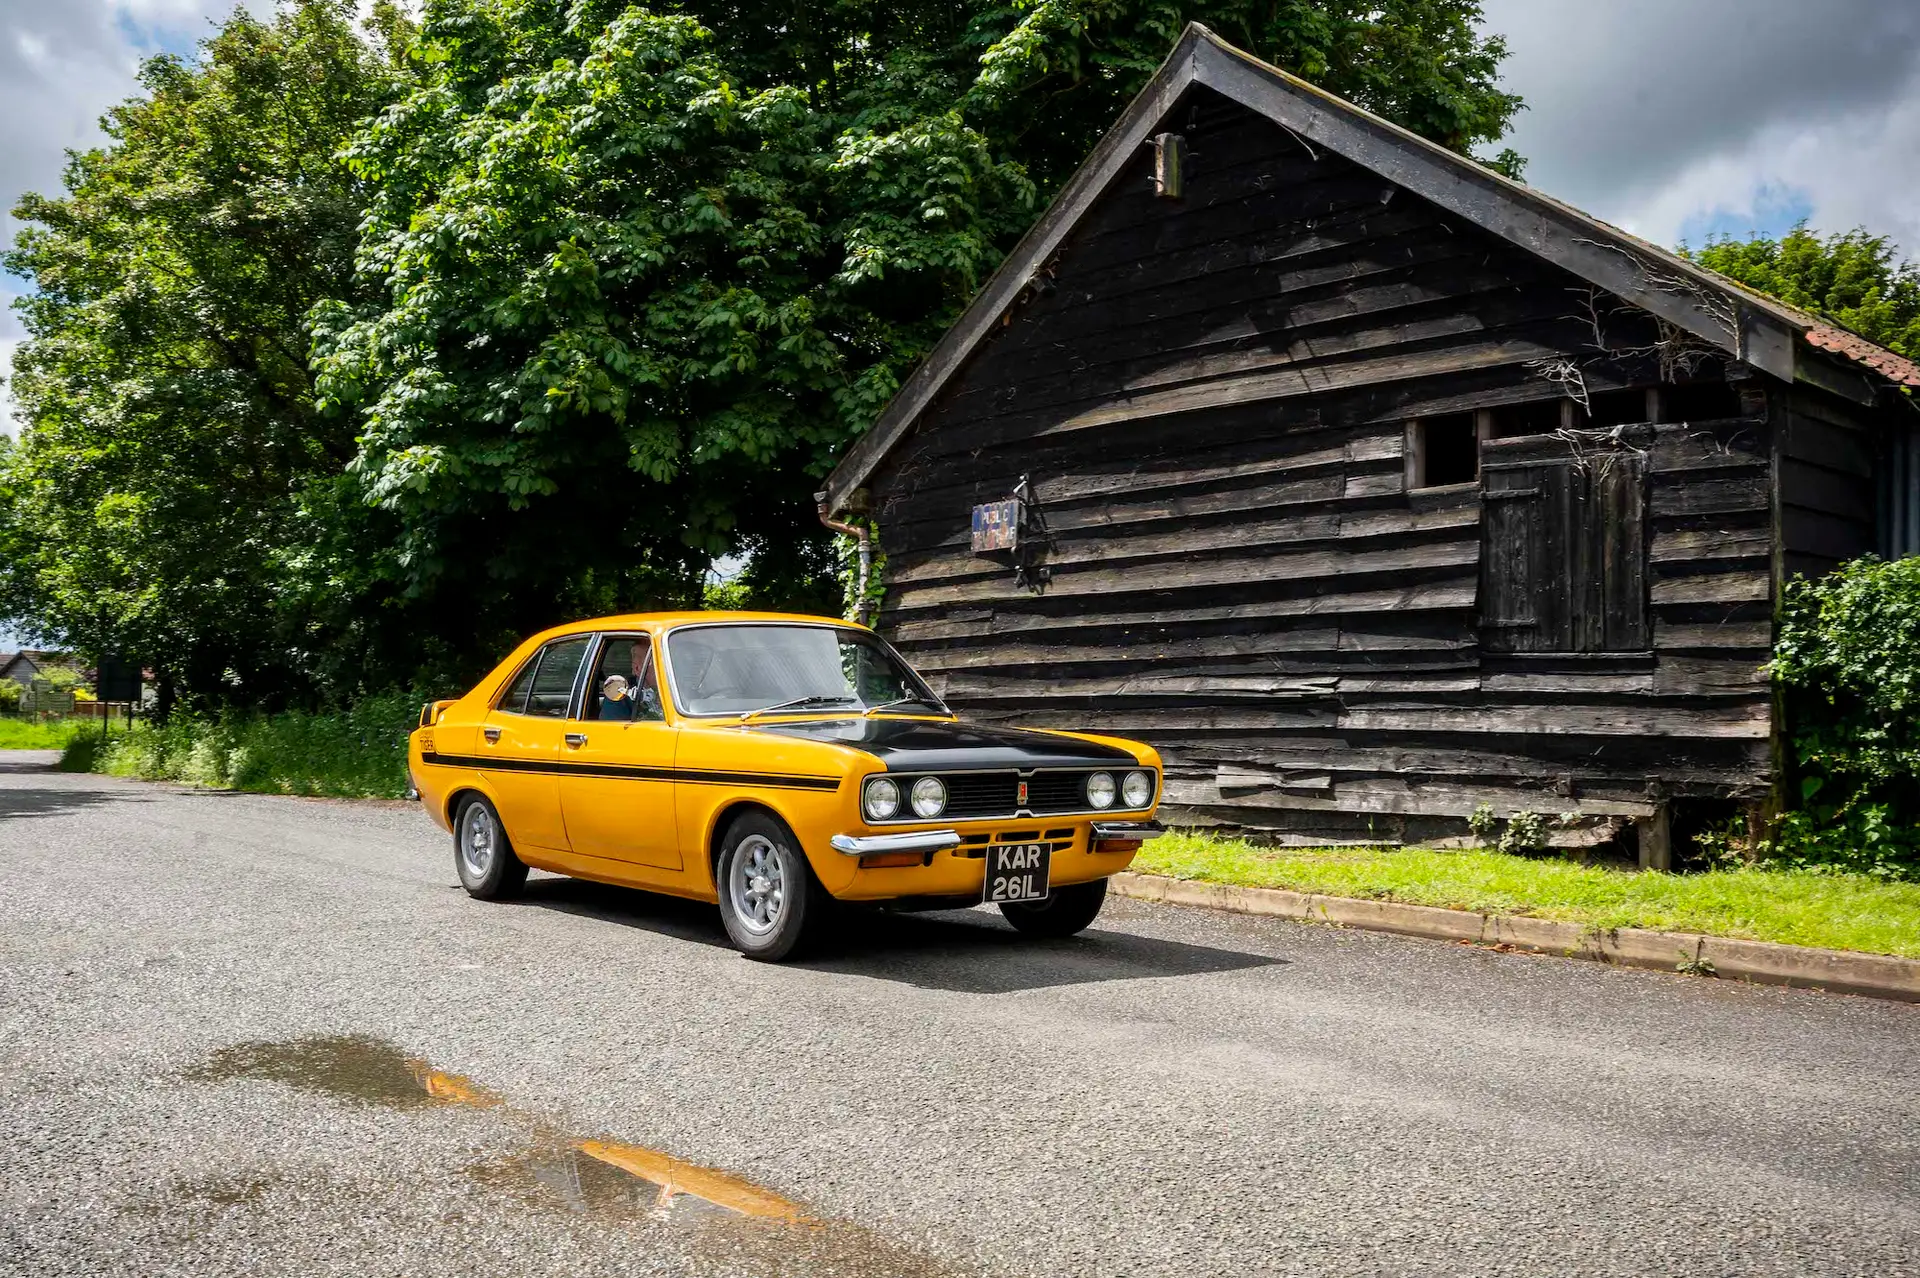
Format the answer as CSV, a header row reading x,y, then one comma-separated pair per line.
x,y
1852,169
1726,115
62,64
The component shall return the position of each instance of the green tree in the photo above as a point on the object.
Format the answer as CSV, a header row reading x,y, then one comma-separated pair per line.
x,y
643,273
170,442
1853,278
1848,664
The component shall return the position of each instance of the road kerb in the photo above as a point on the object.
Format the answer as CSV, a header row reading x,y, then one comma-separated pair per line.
x,y
1763,962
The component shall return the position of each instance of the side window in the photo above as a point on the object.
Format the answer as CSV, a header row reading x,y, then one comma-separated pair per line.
x,y
625,687
514,699
552,689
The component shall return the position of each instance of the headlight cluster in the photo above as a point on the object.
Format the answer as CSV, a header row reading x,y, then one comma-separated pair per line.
x,y
929,797
880,800
1136,791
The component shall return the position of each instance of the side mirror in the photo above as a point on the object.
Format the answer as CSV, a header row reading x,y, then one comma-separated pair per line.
x,y
615,688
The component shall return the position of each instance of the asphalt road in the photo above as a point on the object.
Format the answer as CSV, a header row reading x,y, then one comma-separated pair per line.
x,y
214,1009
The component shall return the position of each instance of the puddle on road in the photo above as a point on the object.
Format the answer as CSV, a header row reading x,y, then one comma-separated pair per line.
x,y
355,1067
730,1225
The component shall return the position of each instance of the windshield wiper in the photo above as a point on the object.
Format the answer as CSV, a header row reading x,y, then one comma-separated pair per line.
x,y
935,702
812,699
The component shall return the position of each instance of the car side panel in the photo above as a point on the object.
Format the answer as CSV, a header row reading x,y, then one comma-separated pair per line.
x,y
806,784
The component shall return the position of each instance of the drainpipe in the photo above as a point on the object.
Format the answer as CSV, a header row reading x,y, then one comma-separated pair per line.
x,y
860,537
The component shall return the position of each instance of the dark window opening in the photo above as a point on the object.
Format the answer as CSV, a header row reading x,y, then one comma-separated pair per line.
x,y
552,690
1700,402
1535,417
1617,408
514,699
1446,450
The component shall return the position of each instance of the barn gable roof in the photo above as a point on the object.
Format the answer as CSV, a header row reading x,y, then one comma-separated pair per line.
x,y
1749,326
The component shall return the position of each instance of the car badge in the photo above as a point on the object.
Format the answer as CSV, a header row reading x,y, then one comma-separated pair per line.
x,y
1023,794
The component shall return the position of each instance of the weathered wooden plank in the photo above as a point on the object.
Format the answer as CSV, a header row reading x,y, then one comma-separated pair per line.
x,y
1383,795
1812,487
975,687
1559,683
1679,674
1710,497
952,560
1278,384
1738,719
1816,434
1717,587
1755,635
1689,449
1679,545
1824,535
1457,594
1209,574
1587,762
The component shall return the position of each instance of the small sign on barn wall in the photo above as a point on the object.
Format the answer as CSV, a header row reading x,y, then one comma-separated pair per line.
x,y
996,525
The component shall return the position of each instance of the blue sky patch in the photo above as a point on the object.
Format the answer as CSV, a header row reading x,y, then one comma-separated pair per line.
x,y
1775,209
149,40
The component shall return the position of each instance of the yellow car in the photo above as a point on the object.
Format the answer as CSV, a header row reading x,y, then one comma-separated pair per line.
x,y
767,763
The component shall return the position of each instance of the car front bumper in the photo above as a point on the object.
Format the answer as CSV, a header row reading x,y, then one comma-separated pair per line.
x,y
951,863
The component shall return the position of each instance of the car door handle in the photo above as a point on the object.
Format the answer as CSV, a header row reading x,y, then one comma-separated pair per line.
x,y
492,735
576,739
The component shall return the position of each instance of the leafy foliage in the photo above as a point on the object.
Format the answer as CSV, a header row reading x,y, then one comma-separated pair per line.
x,y
594,294
1848,657
629,301
155,503
1852,278
355,753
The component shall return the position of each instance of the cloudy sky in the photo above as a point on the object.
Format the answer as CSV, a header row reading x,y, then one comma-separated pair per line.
x,y
1676,119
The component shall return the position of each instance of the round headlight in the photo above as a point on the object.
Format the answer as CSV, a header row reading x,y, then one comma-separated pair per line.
x,y
1100,790
929,797
881,799
1137,789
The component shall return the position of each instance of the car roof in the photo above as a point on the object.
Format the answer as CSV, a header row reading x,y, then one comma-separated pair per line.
x,y
658,620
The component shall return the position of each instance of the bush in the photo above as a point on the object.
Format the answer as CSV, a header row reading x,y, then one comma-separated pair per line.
x,y
358,752
1848,662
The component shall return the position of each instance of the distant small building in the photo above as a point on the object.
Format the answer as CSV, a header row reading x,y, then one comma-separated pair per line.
x,y
1370,486
28,664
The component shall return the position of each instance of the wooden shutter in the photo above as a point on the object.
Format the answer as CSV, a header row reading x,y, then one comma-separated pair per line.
x,y
1517,597
1563,554
1617,484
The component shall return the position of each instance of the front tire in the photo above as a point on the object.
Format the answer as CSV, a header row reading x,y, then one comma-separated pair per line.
x,y
483,855
769,899
1066,910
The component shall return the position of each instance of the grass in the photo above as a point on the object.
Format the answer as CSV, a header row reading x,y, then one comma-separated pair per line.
x,y
360,753
1795,907
50,734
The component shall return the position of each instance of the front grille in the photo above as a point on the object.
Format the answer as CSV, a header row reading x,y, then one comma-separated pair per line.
x,y
1057,792
980,794
973,796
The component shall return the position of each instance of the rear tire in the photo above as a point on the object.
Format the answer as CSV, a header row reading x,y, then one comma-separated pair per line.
x,y
1066,910
769,900
483,855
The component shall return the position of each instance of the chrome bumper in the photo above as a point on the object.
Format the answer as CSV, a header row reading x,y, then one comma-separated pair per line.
x,y
1126,830
911,841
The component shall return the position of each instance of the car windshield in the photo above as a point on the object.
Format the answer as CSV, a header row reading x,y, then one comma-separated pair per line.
x,y
737,669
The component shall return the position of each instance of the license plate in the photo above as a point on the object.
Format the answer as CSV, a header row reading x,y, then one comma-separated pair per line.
x,y
1018,871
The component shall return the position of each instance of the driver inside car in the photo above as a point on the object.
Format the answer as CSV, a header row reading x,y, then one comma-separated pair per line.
x,y
628,687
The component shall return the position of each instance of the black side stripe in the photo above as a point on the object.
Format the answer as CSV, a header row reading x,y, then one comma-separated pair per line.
x,y
691,776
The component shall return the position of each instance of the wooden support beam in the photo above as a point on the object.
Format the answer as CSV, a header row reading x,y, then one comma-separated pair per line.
x,y
1656,839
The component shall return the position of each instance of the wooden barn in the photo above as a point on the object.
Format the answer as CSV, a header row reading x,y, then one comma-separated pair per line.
x,y
1372,487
